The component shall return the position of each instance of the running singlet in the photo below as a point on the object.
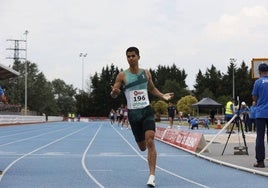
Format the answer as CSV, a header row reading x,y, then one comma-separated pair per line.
x,y
136,90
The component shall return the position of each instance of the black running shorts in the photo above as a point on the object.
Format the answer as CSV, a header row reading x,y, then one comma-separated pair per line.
x,y
140,121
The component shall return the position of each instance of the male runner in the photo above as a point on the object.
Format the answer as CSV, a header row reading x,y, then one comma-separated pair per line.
x,y
137,82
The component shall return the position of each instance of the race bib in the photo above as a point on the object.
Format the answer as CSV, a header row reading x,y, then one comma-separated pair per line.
x,y
138,99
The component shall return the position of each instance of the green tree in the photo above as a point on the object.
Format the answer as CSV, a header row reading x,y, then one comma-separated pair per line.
x,y
84,104
160,106
244,83
227,80
42,99
209,83
164,73
184,104
173,86
169,79
14,87
65,97
101,88
39,90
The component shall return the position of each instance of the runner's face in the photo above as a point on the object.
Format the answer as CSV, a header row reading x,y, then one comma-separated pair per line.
x,y
132,58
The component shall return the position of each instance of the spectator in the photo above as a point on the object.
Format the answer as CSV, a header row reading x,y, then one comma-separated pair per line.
x,y
125,117
72,117
171,113
189,120
69,117
121,114
206,122
78,117
252,115
194,123
180,116
118,116
112,114
212,116
259,95
244,110
229,112
2,96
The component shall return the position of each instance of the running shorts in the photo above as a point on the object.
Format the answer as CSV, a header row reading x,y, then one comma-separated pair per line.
x,y
140,121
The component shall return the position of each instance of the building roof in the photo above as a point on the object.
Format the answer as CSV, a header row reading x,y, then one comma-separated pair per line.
x,y
6,72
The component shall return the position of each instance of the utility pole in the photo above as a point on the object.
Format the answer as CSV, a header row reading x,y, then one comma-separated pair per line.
x,y
232,61
26,74
16,49
83,55
17,57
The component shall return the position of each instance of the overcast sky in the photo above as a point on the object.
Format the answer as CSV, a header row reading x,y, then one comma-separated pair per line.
x,y
193,34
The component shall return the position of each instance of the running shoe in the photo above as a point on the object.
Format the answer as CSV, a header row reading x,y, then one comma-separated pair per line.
x,y
151,181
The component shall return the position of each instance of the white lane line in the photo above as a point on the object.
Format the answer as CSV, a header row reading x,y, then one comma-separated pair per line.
x,y
15,134
84,158
28,138
162,169
21,131
42,147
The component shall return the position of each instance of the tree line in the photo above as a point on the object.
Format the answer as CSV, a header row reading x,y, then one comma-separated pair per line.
x,y
58,98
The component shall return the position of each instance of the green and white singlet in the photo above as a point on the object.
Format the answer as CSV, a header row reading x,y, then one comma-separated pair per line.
x,y
140,113
136,90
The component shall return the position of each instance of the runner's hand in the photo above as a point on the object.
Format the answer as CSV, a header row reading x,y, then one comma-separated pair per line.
x,y
168,96
115,92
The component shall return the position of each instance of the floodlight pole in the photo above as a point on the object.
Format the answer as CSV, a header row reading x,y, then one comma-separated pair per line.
x,y
82,55
26,74
233,60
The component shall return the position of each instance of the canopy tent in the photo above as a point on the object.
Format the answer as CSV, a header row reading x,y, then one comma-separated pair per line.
x,y
6,72
206,103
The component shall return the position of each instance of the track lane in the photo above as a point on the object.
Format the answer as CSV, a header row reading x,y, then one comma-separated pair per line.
x,y
112,158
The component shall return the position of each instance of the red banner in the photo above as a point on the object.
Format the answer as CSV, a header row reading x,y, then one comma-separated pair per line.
x,y
185,139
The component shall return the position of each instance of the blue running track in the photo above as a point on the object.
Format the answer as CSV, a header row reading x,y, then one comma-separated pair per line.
x,y
97,154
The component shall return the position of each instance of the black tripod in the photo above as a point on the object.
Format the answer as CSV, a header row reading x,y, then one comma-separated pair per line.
x,y
241,150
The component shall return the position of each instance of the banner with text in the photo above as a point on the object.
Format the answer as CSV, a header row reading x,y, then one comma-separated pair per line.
x,y
185,139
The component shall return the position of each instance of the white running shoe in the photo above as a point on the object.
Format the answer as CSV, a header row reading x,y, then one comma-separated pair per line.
x,y
151,181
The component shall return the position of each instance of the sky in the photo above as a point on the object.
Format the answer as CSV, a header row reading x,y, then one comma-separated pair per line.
x,y
192,34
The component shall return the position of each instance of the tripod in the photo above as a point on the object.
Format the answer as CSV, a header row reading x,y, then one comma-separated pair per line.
x,y
238,122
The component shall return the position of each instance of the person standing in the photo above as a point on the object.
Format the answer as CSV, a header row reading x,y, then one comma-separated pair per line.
x,y
78,117
206,122
252,115
171,113
3,98
118,116
112,116
137,82
212,116
121,114
229,112
244,110
259,95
